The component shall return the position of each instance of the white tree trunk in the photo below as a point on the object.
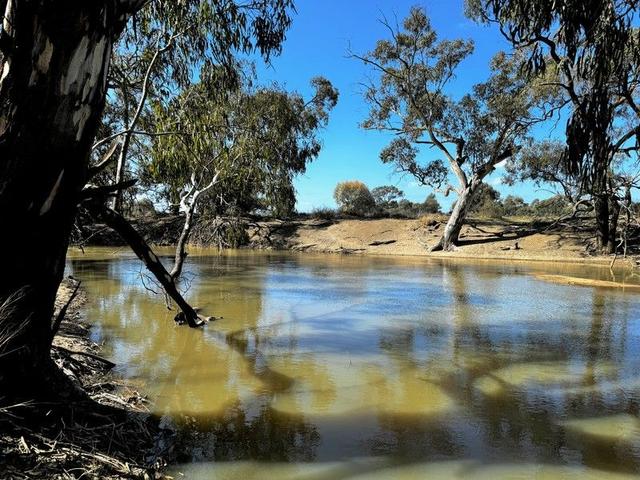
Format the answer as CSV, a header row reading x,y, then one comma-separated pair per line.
x,y
449,238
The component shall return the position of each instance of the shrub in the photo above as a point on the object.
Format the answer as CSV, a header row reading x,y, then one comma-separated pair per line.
x,y
514,206
323,213
431,220
486,202
354,198
387,196
431,204
143,208
551,207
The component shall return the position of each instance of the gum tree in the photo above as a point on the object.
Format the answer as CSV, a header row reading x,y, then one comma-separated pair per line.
x,y
231,140
593,48
409,97
54,60
387,195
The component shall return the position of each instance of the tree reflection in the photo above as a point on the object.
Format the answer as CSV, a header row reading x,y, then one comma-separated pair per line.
x,y
317,360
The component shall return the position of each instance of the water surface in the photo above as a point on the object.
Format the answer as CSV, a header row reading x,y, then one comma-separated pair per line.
x,y
393,368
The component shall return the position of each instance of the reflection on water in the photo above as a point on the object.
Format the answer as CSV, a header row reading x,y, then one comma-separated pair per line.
x,y
357,367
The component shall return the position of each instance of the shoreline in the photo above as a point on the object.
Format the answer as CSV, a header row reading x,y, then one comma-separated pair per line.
x,y
481,239
110,434
598,261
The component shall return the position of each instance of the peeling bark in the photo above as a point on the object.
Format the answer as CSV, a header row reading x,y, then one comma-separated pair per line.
x,y
188,203
53,58
181,247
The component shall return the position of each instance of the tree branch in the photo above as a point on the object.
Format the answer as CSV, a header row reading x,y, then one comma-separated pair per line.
x,y
104,161
142,250
106,190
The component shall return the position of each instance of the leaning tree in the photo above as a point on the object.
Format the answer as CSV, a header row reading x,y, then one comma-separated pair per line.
x,y
54,60
409,97
593,48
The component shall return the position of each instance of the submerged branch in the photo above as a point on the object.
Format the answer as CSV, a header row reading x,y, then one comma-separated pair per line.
x,y
144,252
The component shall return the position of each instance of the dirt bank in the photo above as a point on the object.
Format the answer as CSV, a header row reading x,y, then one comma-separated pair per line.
x,y
479,239
107,435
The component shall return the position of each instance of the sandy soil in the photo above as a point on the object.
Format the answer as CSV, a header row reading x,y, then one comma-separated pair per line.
x,y
515,239
481,239
588,282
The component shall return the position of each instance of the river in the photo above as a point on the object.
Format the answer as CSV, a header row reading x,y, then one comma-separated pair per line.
x,y
336,367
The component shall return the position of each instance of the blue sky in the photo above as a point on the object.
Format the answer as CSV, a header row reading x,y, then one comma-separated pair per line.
x,y
318,43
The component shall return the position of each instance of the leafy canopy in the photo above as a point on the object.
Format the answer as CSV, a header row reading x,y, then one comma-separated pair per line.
x,y
387,195
409,97
353,197
593,49
255,140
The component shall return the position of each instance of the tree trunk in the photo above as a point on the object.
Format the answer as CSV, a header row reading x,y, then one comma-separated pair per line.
x,y
189,203
54,58
456,219
613,225
601,210
120,165
181,247
129,234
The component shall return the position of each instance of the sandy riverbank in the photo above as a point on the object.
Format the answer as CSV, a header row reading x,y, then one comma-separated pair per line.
x,y
478,240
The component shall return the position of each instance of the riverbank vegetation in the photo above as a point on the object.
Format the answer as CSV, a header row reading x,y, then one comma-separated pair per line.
x,y
110,109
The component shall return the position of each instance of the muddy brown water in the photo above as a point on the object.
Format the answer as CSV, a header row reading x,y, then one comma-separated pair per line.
x,y
345,367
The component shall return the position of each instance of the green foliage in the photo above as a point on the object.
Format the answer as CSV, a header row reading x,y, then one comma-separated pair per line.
x,y
431,204
166,46
387,196
553,207
283,128
515,206
390,202
143,207
256,141
354,198
486,202
323,213
542,164
405,209
592,48
204,33
409,97
234,234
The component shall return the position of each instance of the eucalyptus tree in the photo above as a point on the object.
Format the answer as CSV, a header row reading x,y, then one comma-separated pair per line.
x,y
354,198
431,204
593,48
190,162
157,59
54,60
387,195
541,164
283,130
409,97
234,141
